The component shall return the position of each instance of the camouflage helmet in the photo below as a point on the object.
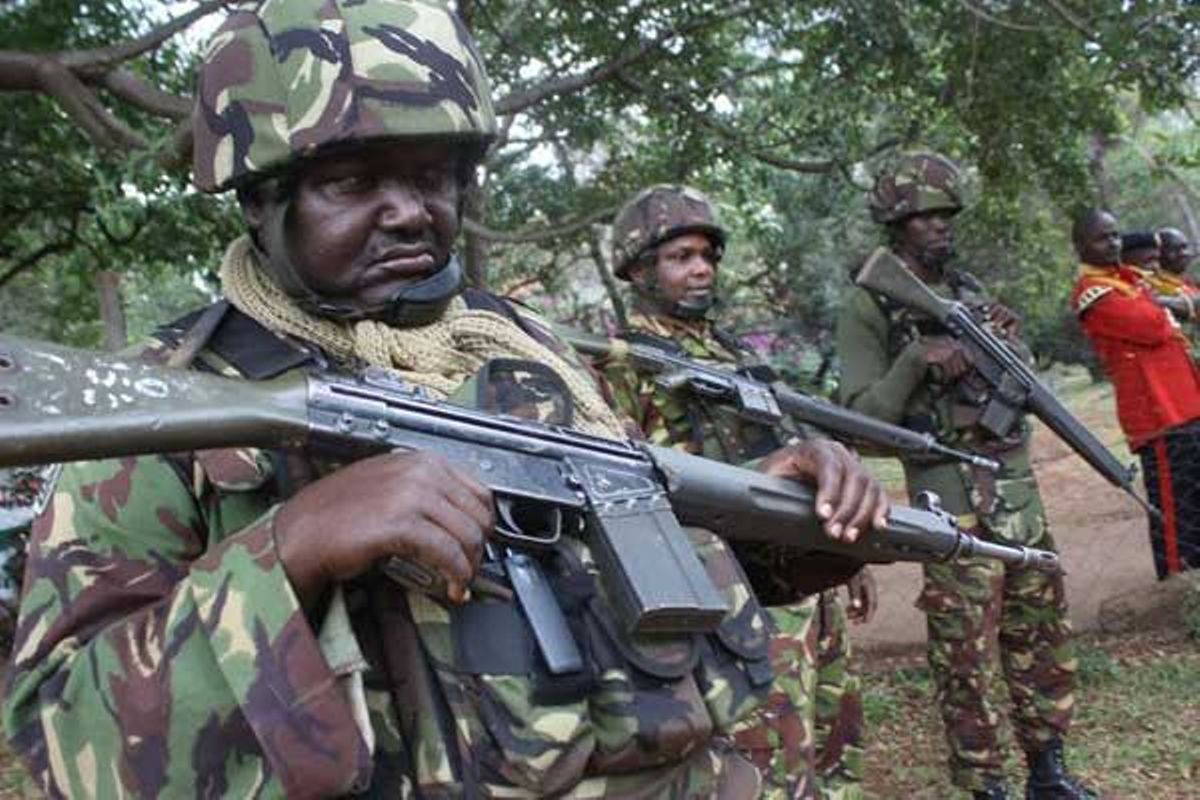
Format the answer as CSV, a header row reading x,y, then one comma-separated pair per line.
x,y
916,183
282,79
657,214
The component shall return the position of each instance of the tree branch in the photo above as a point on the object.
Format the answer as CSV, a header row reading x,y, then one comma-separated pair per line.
x,y
1069,17
542,235
122,241
82,105
65,77
103,59
608,280
131,88
994,20
519,100
681,103
31,260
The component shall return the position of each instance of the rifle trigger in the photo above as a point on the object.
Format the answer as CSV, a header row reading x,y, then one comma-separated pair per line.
x,y
510,530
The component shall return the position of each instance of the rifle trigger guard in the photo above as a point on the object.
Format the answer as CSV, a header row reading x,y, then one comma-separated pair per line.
x,y
508,528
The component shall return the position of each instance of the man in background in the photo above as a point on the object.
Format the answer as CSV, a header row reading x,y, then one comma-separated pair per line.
x,y
1140,249
1171,280
1144,351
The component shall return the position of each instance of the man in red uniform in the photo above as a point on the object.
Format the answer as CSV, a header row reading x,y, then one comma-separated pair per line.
x,y
1146,356
1171,279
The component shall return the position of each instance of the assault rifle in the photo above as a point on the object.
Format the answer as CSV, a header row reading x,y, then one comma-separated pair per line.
x,y
1015,388
762,402
628,499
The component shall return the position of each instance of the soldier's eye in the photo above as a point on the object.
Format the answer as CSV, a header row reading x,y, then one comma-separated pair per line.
x,y
433,179
347,184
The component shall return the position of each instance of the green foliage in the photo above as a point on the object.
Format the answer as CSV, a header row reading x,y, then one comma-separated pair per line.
x,y
68,209
781,112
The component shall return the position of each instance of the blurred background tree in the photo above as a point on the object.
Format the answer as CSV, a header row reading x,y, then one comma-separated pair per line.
x,y
782,112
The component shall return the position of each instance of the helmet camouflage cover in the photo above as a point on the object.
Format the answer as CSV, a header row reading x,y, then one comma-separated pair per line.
x,y
657,214
916,183
282,79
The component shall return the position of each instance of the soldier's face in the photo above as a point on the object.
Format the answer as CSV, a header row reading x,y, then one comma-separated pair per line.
x,y
1100,242
370,221
928,239
686,269
1176,252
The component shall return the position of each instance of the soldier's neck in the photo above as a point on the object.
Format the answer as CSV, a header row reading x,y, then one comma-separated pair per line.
x,y
647,315
926,275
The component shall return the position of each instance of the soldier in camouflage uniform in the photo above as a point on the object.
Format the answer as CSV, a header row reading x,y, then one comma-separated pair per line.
x,y
217,623
667,242
906,369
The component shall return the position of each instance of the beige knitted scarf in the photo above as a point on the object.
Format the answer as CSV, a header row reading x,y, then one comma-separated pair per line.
x,y
440,356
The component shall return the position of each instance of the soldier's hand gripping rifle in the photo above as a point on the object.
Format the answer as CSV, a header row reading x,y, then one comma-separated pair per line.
x,y
765,403
627,498
1015,388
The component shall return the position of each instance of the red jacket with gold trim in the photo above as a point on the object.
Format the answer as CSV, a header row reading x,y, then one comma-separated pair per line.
x,y
1142,349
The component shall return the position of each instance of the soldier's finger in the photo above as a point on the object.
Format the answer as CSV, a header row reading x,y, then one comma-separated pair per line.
x,y
482,508
470,496
830,488
428,544
852,511
881,506
460,526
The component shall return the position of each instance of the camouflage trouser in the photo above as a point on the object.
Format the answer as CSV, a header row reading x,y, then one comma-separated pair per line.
x,y
807,738
974,608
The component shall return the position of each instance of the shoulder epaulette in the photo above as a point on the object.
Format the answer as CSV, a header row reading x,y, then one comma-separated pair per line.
x,y
1088,297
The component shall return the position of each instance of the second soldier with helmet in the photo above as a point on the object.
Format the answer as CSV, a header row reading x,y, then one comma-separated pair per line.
x,y
668,243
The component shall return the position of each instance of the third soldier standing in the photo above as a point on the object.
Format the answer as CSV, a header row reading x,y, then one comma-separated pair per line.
x,y
905,368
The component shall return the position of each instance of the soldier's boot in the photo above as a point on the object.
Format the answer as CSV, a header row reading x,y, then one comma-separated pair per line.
x,y
1049,779
994,790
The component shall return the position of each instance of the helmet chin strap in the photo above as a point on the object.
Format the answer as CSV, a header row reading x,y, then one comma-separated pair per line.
x,y
689,308
935,261
694,308
413,304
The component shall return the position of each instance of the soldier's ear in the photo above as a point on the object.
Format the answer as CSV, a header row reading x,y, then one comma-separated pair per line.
x,y
637,271
251,201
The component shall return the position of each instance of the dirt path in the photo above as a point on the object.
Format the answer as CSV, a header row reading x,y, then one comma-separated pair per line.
x,y
1100,531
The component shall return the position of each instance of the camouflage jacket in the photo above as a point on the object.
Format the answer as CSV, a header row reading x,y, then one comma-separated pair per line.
x,y
162,652
678,419
883,374
780,575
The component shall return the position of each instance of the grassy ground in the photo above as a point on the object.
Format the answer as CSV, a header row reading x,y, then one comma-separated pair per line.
x,y
1137,726
1136,732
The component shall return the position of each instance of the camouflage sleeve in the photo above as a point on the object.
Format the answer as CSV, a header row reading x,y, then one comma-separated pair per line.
x,y
152,661
871,383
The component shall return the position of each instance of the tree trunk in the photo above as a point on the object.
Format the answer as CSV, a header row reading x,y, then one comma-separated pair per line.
x,y
1096,165
474,247
108,287
1189,216
606,277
